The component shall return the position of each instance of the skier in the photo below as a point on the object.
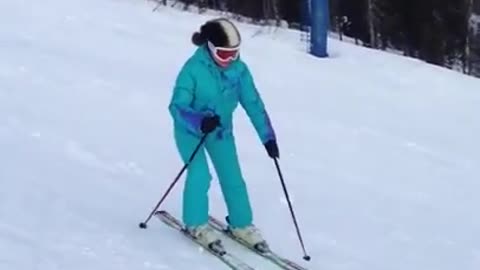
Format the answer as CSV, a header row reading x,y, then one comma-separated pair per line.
x,y
207,90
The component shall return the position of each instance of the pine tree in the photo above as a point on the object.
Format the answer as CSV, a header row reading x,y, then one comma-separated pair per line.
x,y
473,38
371,23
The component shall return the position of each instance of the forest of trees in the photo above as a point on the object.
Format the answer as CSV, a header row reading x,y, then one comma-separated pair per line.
x,y
441,32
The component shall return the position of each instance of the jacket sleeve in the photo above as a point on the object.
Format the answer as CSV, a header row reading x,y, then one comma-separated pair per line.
x,y
182,98
254,106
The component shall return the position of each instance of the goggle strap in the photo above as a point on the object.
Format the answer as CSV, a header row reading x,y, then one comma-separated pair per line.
x,y
214,48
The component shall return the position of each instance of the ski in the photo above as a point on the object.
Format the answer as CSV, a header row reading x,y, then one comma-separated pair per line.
x,y
217,250
270,255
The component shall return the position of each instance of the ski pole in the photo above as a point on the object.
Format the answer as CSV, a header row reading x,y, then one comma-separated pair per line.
x,y
143,225
305,257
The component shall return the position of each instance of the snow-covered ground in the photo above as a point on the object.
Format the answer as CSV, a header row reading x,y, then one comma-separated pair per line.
x,y
380,153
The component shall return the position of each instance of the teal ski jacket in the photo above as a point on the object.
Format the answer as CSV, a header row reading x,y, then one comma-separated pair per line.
x,y
202,88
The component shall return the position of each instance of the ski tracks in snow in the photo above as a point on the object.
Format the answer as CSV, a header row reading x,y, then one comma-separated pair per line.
x,y
14,129
75,151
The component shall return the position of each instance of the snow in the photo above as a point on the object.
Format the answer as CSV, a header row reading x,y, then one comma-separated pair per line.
x,y
380,154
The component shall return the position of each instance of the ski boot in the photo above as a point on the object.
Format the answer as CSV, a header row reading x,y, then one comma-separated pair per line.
x,y
207,237
251,236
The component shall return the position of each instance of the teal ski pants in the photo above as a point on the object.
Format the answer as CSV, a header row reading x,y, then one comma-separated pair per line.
x,y
223,155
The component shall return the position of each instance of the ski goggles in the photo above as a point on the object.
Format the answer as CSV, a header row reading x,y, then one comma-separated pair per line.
x,y
224,54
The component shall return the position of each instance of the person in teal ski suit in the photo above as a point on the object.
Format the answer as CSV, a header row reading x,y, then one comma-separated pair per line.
x,y
208,89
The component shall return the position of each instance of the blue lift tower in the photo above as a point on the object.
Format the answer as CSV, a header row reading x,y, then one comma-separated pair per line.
x,y
316,24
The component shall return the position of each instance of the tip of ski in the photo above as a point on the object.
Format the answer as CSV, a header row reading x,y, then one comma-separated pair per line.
x,y
270,255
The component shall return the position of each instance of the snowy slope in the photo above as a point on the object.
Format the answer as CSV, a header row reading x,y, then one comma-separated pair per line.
x,y
381,152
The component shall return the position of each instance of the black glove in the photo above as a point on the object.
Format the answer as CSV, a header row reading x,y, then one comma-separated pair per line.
x,y
209,123
272,149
